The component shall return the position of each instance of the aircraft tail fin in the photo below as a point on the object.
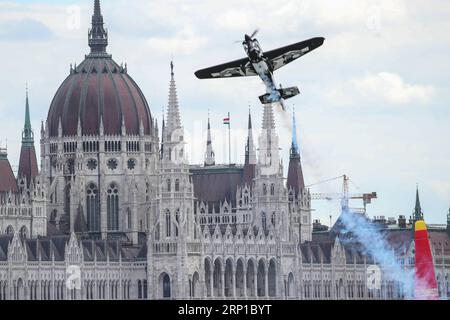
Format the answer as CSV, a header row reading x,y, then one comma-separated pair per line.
x,y
284,94
425,279
287,93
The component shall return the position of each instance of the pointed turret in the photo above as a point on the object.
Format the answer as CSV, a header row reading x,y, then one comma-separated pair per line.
x,y
268,143
418,214
28,168
27,134
173,131
163,127
250,155
295,151
209,155
173,121
98,36
295,178
250,150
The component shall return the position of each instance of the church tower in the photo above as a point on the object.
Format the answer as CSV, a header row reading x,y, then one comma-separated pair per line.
x,y
28,168
175,225
418,214
299,198
209,155
250,156
270,197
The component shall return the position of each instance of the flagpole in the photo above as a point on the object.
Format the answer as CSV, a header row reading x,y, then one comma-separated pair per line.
x,y
229,138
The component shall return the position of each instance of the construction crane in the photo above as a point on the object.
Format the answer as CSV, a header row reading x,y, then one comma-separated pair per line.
x,y
344,195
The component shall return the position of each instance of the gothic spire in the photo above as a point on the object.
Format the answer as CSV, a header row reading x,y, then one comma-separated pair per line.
x,y
27,134
209,155
295,180
173,120
250,151
28,167
295,152
98,36
418,214
268,142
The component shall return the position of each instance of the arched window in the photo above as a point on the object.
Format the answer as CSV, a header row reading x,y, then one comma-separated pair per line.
x,y
139,289
168,224
145,289
157,232
273,219
147,192
264,221
166,286
24,232
128,218
10,230
177,218
53,215
113,207
272,189
264,189
92,208
169,185
67,200
177,185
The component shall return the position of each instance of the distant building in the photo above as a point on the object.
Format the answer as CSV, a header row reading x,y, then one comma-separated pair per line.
x,y
117,212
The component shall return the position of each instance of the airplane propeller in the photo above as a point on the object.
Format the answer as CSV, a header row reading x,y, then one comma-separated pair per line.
x,y
254,33
251,36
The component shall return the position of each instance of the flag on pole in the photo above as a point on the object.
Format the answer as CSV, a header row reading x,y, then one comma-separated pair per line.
x,y
226,120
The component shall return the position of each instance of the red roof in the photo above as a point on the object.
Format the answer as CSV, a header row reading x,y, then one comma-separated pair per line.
x,y
28,167
295,178
7,180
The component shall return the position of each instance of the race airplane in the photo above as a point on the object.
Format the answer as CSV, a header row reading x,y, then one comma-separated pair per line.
x,y
263,64
425,280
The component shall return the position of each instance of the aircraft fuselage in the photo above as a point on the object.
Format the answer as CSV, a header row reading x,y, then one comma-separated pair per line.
x,y
262,68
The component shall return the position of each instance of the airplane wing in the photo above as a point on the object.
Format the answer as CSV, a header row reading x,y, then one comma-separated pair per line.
x,y
282,56
238,68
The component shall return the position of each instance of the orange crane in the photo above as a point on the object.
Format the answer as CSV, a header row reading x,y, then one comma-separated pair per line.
x,y
365,197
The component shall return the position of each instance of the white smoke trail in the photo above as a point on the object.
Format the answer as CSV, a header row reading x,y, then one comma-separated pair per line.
x,y
375,245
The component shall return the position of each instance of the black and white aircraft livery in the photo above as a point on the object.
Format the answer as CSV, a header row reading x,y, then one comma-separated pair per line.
x,y
263,64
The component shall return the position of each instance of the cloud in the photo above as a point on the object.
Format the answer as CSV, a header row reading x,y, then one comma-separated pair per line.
x,y
383,87
24,30
184,43
392,88
442,189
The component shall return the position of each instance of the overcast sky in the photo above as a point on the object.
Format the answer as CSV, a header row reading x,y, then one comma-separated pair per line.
x,y
374,102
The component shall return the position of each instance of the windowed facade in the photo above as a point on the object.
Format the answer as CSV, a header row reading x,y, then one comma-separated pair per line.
x,y
92,208
113,207
168,224
263,221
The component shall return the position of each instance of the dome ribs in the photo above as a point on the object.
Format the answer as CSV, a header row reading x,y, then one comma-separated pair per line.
x,y
70,124
76,81
53,117
124,77
142,106
131,122
89,108
111,120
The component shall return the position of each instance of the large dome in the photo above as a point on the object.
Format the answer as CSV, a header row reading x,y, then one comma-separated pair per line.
x,y
98,89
